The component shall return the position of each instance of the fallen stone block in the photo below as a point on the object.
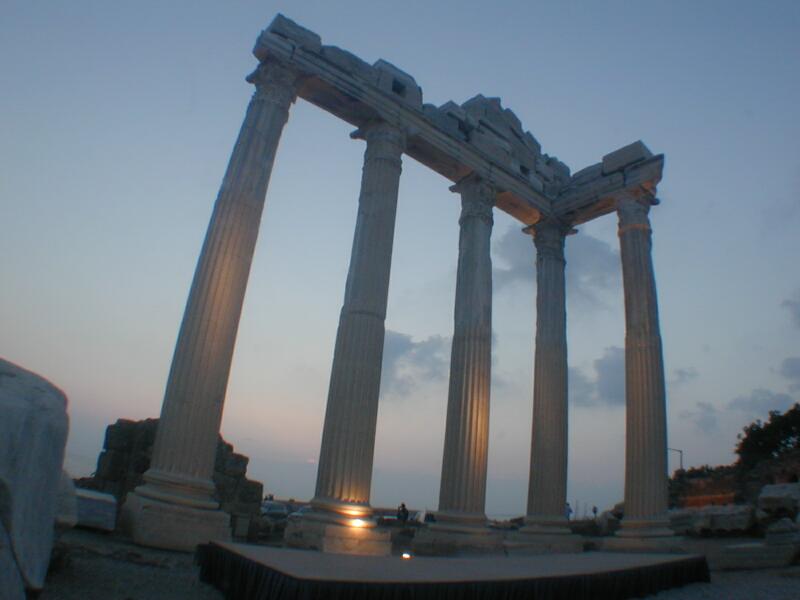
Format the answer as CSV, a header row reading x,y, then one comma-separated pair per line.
x,y
780,499
33,432
96,510
67,512
784,531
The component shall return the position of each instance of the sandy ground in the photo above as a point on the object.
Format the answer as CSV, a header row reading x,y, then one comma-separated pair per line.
x,y
103,567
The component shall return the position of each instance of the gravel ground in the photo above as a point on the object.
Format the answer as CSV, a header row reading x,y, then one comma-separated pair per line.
x,y
94,566
768,584
102,567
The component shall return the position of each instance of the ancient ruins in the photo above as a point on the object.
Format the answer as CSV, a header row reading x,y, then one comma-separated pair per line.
x,y
493,163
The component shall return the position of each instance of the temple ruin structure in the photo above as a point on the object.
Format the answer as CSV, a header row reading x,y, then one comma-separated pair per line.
x,y
493,164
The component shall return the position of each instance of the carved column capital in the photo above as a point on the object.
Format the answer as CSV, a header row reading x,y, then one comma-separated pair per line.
x,y
275,83
632,211
477,199
548,237
384,140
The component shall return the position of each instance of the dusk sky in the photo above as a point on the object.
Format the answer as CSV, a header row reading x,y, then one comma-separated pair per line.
x,y
116,124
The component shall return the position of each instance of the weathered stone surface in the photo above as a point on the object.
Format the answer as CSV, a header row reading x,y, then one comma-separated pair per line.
x,y
336,539
96,510
11,585
756,555
607,523
440,541
780,499
350,63
625,156
130,444
399,83
305,38
33,433
784,531
712,519
67,512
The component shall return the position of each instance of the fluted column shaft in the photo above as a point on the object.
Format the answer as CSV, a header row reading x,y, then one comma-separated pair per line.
x,y
186,441
462,495
344,474
645,402
547,486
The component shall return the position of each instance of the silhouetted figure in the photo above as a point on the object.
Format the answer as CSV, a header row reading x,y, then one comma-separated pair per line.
x,y
594,511
568,511
402,513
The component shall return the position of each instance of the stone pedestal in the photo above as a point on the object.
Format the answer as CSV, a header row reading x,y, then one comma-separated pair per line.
x,y
441,539
541,541
462,494
547,487
344,474
645,401
177,495
313,534
172,526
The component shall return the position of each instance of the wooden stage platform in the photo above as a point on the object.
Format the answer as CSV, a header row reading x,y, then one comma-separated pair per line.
x,y
259,572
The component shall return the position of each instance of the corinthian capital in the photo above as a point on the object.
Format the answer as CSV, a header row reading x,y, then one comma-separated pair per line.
x,y
632,211
275,83
548,236
477,198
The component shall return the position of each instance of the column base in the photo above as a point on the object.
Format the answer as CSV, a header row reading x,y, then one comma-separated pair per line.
x,y
316,534
526,541
644,535
160,524
343,513
545,525
657,527
457,534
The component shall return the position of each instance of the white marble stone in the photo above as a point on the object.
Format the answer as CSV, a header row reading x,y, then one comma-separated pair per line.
x,y
33,433
780,498
96,510
625,156
183,454
462,495
344,474
645,401
547,487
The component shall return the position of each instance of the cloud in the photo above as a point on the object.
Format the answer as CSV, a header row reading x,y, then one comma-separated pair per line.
x,y
592,265
790,368
793,305
683,375
610,370
760,401
581,388
606,387
408,364
705,416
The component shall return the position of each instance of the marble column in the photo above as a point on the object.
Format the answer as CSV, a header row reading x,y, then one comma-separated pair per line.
x,y
645,401
462,495
344,475
175,507
547,486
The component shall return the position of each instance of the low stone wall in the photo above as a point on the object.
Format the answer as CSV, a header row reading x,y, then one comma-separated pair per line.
x,y
126,454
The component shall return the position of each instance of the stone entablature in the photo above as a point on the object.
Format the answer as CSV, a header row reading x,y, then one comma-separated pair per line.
x,y
478,136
